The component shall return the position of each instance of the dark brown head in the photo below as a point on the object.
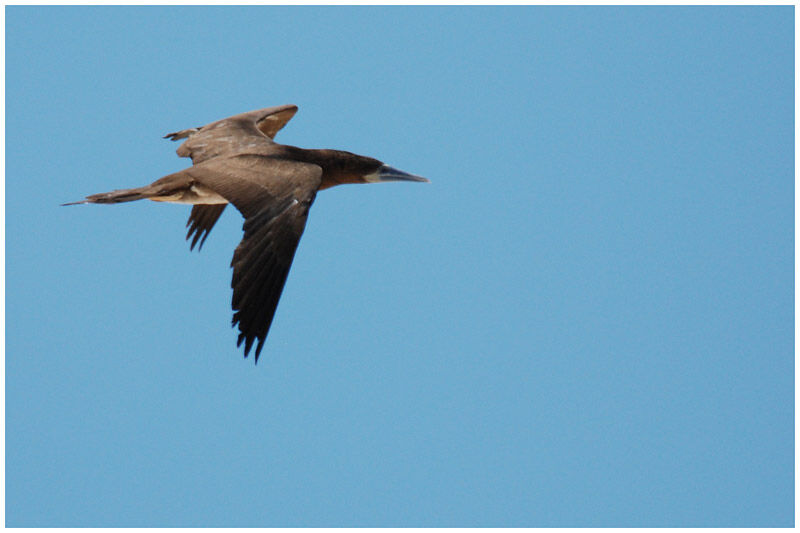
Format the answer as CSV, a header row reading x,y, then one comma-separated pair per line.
x,y
344,167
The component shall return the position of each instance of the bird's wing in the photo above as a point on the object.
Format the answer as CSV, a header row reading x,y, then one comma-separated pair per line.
x,y
201,220
274,196
250,132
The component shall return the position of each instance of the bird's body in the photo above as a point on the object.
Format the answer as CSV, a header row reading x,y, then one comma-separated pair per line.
x,y
236,161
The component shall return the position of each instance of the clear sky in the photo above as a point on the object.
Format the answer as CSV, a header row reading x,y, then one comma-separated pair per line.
x,y
586,319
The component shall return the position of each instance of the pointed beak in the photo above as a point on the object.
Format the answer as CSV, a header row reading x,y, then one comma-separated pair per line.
x,y
387,173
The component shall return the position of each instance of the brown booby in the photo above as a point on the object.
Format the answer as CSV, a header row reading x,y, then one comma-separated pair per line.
x,y
235,160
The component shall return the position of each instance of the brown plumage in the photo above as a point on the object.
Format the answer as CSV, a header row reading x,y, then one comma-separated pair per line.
x,y
235,160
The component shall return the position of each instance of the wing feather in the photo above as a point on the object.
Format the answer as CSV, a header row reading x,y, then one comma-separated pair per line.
x,y
201,220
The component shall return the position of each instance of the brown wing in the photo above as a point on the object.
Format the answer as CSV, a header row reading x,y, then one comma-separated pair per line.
x,y
201,220
250,132
274,196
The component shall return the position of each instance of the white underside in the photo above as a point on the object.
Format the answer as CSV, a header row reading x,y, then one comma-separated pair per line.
x,y
194,195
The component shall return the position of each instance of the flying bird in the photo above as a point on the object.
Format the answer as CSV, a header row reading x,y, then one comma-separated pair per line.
x,y
236,161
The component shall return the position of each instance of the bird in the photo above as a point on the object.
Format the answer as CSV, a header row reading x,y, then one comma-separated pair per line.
x,y
236,161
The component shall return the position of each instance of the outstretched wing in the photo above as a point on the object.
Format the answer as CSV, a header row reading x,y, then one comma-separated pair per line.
x,y
250,132
274,196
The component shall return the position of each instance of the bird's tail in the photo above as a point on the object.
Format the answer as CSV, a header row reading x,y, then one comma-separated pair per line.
x,y
116,197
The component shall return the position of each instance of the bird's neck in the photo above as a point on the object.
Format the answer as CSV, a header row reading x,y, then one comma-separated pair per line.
x,y
336,164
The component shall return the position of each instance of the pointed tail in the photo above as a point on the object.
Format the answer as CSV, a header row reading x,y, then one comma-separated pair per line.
x,y
115,197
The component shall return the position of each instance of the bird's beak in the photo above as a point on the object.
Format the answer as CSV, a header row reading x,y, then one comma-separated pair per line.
x,y
387,173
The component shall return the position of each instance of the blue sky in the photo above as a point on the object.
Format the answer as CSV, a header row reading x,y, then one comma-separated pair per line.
x,y
586,319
